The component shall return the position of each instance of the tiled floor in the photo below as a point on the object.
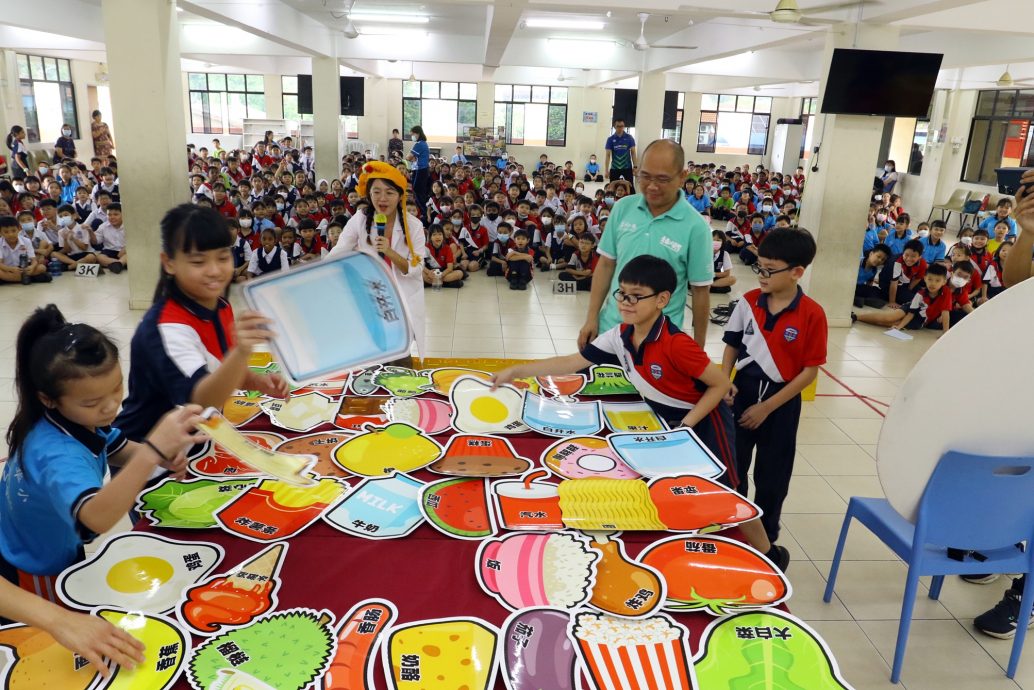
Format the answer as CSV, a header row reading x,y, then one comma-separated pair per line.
x,y
837,446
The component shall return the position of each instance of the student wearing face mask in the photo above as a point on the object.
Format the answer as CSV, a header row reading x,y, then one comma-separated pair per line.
x,y
65,145
419,158
889,177
592,170
723,277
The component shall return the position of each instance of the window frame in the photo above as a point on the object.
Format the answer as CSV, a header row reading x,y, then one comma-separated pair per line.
x,y
223,100
556,102
730,104
1014,114
61,68
458,98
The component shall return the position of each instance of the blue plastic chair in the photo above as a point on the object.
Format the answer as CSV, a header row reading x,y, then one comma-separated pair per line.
x,y
972,502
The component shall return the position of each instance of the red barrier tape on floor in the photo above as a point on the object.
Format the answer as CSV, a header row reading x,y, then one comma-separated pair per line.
x,y
864,399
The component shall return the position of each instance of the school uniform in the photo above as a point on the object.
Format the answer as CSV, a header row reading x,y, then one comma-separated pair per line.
x,y
293,253
897,242
772,349
982,259
722,262
82,211
927,308
176,344
81,235
474,239
701,204
499,250
932,253
665,370
12,256
242,251
991,221
993,278
579,263
226,209
519,269
870,240
559,250
315,248
112,239
959,300
113,191
904,275
263,262
438,259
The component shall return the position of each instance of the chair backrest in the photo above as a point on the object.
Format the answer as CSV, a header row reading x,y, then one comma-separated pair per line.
x,y
978,502
958,197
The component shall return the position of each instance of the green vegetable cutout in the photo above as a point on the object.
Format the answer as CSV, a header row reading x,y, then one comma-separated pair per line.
x,y
766,650
607,380
363,384
286,651
401,382
188,504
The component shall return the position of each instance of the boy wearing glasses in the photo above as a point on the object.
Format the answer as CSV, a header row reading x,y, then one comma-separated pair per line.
x,y
776,339
668,368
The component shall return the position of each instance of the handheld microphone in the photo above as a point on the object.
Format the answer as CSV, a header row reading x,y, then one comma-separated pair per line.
x,y
380,220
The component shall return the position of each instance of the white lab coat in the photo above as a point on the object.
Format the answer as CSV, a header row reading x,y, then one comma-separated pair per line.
x,y
411,285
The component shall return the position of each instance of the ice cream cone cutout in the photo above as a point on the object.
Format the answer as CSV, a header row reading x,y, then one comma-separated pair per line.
x,y
236,598
290,469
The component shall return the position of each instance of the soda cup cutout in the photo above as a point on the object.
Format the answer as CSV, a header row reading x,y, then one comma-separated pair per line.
x,y
525,504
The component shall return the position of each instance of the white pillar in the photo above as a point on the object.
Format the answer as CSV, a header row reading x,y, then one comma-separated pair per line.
x,y
11,112
649,109
142,40
836,197
326,116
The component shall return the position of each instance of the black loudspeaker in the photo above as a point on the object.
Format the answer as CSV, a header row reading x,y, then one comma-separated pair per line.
x,y
305,94
352,91
671,106
625,105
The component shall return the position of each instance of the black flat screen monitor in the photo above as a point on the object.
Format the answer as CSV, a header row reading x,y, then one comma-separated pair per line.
x,y
880,82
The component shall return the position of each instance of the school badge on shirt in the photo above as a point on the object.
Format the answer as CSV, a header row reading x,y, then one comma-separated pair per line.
x,y
655,371
790,334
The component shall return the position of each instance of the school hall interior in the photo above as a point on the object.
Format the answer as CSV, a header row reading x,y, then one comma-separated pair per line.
x,y
720,79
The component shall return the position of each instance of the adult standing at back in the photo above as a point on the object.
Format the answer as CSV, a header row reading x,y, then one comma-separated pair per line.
x,y
395,145
420,156
621,154
655,222
103,143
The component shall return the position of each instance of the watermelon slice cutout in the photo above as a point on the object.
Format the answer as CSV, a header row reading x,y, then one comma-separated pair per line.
x,y
459,507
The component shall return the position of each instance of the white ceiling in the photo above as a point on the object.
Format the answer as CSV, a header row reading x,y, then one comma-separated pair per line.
x,y
472,40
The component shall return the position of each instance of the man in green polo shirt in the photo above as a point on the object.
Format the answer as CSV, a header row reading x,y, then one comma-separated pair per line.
x,y
656,221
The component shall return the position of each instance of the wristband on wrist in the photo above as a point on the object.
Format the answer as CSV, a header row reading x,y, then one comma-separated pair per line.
x,y
163,456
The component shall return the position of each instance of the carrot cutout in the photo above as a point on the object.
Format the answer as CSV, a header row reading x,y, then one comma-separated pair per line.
x,y
241,409
358,638
716,574
689,503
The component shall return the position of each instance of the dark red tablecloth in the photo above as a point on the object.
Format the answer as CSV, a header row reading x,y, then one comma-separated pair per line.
x,y
426,574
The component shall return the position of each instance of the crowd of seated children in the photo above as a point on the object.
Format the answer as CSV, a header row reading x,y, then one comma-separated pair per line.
x,y
440,266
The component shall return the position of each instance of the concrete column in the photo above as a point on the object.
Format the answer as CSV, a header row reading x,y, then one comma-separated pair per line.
x,y
649,109
142,40
274,91
836,197
326,116
11,112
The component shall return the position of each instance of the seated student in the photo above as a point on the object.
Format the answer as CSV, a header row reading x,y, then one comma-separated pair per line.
x,y
700,201
963,254
475,240
499,248
269,257
897,239
334,230
930,307
581,264
109,184
309,243
722,208
907,272
934,248
866,292
959,286
241,249
74,245
459,257
112,237
723,277
992,282
18,260
222,203
248,227
1001,229
1002,211
753,238
519,261
585,211
978,251
83,205
556,252
289,243
965,240
439,262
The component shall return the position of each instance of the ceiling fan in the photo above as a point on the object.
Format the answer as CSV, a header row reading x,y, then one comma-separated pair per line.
x,y
1005,81
564,77
785,12
642,44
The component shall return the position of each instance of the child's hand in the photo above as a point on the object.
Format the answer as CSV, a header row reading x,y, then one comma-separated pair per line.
x,y
252,329
505,376
94,638
174,433
754,416
731,395
273,385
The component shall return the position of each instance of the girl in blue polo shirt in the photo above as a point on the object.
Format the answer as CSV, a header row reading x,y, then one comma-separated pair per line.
x,y
54,493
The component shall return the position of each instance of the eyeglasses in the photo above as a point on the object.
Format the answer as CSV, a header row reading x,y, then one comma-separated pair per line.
x,y
631,300
766,272
647,178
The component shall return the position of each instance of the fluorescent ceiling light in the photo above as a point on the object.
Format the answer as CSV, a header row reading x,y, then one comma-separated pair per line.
x,y
543,23
390,18
392,31
579,42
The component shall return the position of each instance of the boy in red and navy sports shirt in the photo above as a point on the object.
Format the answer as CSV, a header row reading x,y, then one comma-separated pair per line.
x,y
907,273
776,338
930,308
668,369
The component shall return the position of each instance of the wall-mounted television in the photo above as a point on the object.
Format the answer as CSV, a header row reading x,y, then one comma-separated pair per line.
x,y
880,82
352,94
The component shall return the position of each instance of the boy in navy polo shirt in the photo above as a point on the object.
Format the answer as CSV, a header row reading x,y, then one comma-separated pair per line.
x,y
776,339
668,369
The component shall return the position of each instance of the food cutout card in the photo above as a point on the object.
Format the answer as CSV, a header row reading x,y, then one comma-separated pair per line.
x,y
679,451
527,504
715,574
242,408
767,650
321,444
380,450
477,409
536,651
379,508
442,379
273,510
586,457
605,380
34,659
631,417
359,636
260,359
688,503
623,587
166,647
357,410
188,504
537,569
430,415
401,382
643,654
286,650
291,469
607,505
137,572
236,598
362,381
480,455
220,463
561,417
441,653
458,507
301,412
331,386
561,386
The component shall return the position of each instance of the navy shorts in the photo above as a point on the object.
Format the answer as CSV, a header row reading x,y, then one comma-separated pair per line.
x,y
717,431
110,253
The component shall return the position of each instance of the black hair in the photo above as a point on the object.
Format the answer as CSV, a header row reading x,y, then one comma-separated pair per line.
x,y
520,233
271,231
419,132
115,206
190,228
502,225
435,228
650,272
981,232
49,202
939,269
904,218
914,245
795,246
307,224
10,221
15,131
67,208
965,266
49,353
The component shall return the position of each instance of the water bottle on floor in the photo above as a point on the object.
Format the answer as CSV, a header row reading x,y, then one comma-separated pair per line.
x,y
55,268
436,282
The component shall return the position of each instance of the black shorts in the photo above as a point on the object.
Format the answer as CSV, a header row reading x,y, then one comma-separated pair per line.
x,y
110,253
717,431
78,256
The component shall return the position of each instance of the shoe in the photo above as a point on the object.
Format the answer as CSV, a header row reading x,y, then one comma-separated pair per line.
x,y
1000,621
42,278
721,290
513,285
980,579
779,556
522,285
116,267
854,317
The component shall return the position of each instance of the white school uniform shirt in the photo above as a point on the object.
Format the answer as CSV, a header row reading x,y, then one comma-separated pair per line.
x,y
81,233
411,285
101,187
491,226
97,214
294,253
112,238
253,267
46,235
10,256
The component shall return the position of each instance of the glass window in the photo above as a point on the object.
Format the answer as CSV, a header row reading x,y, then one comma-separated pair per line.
x,y
217,82
503,92
536,115
411,112
50,68
256,83
446,116
466,117
540,94
682,99
219,103
468,91
986,103
429,89
1025,104
709,101
556,126
23,67
744,104
763,104
36,65
521,93
1005,103
235,82
289,99
1001,139
64,70
743,131
48,97
727,103
449,90
289,84
197,82
411,89
351,124
558,94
